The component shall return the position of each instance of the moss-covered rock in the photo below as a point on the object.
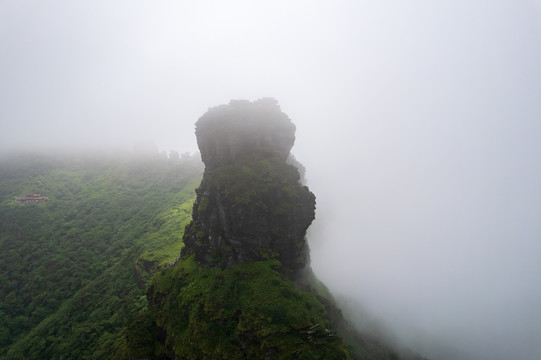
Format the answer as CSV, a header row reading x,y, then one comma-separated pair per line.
x,y
250,205
247,311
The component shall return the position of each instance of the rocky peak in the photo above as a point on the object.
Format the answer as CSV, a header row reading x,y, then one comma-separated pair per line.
x,y
227,133
250,205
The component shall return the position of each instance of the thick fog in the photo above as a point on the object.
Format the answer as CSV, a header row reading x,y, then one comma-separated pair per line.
x,y
419,123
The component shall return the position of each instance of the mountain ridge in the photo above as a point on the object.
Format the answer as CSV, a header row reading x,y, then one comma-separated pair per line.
x,y
243,287
91,273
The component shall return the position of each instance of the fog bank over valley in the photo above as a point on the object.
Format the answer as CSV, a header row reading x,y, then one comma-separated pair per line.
x,y
418,124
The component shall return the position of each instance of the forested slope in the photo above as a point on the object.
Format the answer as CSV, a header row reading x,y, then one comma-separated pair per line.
x,y
73,269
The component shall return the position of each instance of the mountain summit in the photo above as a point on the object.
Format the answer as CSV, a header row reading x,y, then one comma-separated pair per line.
x,y
250,205
242,287
229,133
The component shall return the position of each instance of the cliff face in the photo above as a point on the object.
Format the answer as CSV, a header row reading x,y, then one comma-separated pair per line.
x,y
227,297
228,133
250,205
231,296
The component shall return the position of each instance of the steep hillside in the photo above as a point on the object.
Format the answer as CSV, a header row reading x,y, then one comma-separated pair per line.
x,y
149,257
73,269
243,287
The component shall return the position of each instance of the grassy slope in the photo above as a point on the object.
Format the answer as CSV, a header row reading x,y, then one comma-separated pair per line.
x,y
69,267
249,311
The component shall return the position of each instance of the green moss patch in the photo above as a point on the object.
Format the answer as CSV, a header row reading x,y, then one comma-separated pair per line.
x,y
246,311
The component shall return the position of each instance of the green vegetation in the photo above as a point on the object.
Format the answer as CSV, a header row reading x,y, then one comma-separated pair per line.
x,y
245,181
249,311
73,269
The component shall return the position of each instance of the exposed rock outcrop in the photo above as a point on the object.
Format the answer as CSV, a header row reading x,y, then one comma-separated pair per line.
x,y
250,205
228,133
227,297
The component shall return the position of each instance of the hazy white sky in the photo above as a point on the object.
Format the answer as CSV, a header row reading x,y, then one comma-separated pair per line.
x,y
419,123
